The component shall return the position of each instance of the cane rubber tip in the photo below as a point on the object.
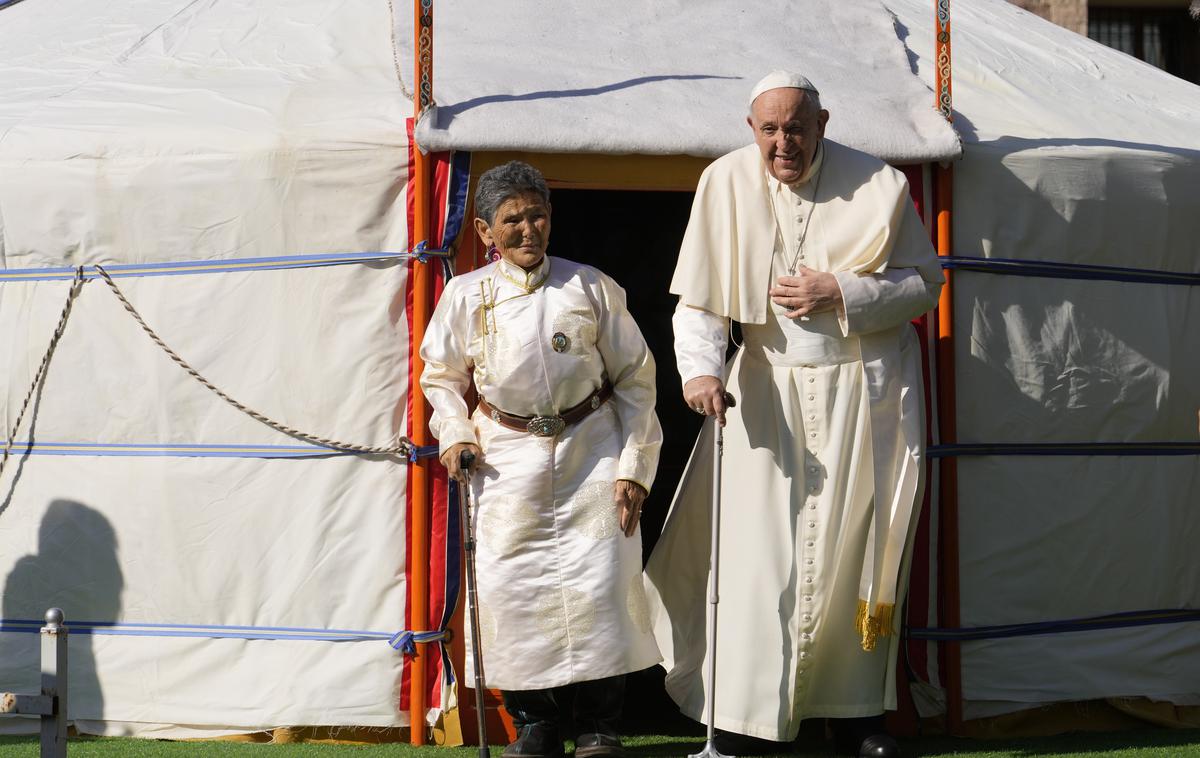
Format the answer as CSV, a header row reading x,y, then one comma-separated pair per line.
x,y
54,617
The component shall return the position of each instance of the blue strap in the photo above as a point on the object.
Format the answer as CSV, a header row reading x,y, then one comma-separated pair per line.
x,y
221,266
1050,269
1065,448
174,450
406,641
423,451
423,252
1108,621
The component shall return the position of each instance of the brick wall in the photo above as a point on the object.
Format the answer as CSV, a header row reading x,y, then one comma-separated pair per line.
x,y
1071,14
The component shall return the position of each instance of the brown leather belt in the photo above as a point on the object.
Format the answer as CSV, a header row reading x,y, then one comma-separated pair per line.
x,y
549,426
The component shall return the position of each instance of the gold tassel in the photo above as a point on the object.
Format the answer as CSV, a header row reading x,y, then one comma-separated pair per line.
x,y
876,625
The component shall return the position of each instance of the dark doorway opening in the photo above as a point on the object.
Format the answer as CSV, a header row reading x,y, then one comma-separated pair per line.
x,y
634,238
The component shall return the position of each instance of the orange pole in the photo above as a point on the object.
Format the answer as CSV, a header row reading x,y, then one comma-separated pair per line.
x,y
422,304
947,419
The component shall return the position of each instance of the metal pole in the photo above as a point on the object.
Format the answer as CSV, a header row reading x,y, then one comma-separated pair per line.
x,y
54,685
714,598
466,461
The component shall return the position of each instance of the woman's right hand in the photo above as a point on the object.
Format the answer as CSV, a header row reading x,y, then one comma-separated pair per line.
x,y
452,459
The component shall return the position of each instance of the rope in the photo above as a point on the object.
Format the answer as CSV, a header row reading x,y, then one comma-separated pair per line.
x,y
76,286
403,446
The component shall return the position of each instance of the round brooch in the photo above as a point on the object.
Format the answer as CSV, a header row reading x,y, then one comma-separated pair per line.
x,y
559,342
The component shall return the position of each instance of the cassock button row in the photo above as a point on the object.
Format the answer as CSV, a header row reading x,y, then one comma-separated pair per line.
x,y
813,435
810,543
808,580
808,598
812,506
812,524
803,654
811,380
808,561
812,397
807,617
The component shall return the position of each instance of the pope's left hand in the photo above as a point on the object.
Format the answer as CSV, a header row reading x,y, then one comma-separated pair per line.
x,y
629,497
807,292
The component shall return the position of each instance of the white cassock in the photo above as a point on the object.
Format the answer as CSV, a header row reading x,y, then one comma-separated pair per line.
x,y
560,591
822,462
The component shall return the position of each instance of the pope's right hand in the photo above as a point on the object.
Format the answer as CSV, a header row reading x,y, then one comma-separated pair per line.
x,y
452,457
706,394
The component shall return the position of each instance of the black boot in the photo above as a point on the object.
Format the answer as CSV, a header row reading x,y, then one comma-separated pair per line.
x,y
539,740
863,738
535,715
597,711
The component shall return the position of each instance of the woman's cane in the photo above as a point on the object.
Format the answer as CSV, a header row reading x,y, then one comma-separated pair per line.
x,y
710,750
465,462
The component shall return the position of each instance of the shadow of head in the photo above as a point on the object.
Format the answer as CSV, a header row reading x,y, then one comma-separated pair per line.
x,y
75,568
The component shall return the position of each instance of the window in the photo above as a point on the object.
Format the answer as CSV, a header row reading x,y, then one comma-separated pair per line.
x,y
1166,38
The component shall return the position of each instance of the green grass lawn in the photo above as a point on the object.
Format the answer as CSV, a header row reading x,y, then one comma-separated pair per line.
x,y
1138,744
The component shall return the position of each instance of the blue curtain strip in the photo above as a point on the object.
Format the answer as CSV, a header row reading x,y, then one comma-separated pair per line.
x,y
1066,448
125,450
176,268
402,640
1109,621
456,195
1048,269
453,561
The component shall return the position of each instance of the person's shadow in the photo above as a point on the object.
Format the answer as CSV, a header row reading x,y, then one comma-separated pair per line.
x,y
75,569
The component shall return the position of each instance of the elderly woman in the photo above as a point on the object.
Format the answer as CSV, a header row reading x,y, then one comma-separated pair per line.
x,y
566,445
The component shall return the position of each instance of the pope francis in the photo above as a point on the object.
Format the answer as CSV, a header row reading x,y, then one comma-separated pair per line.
x,y
566,443
816,250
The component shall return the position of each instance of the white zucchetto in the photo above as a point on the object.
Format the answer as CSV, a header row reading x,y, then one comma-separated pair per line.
x,y
780,78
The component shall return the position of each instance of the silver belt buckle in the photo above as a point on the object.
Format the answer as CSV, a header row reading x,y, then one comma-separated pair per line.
x,y
546,426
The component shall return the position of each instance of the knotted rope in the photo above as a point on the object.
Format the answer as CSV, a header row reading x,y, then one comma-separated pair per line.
x,y
76,286
402,446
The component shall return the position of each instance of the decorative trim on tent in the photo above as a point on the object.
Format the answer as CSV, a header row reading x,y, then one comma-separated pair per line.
x,y
1065,448
154,450
945,72
224,266
1049,269
398,640
1090,623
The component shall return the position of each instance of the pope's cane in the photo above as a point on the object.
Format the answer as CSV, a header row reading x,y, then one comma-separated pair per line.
x,y
465,462
710,749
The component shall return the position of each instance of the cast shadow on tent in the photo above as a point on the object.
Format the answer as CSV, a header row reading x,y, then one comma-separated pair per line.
x,y
446,113
76,568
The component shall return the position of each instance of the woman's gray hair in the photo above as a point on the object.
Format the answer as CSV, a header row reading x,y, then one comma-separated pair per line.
x,y
502,182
